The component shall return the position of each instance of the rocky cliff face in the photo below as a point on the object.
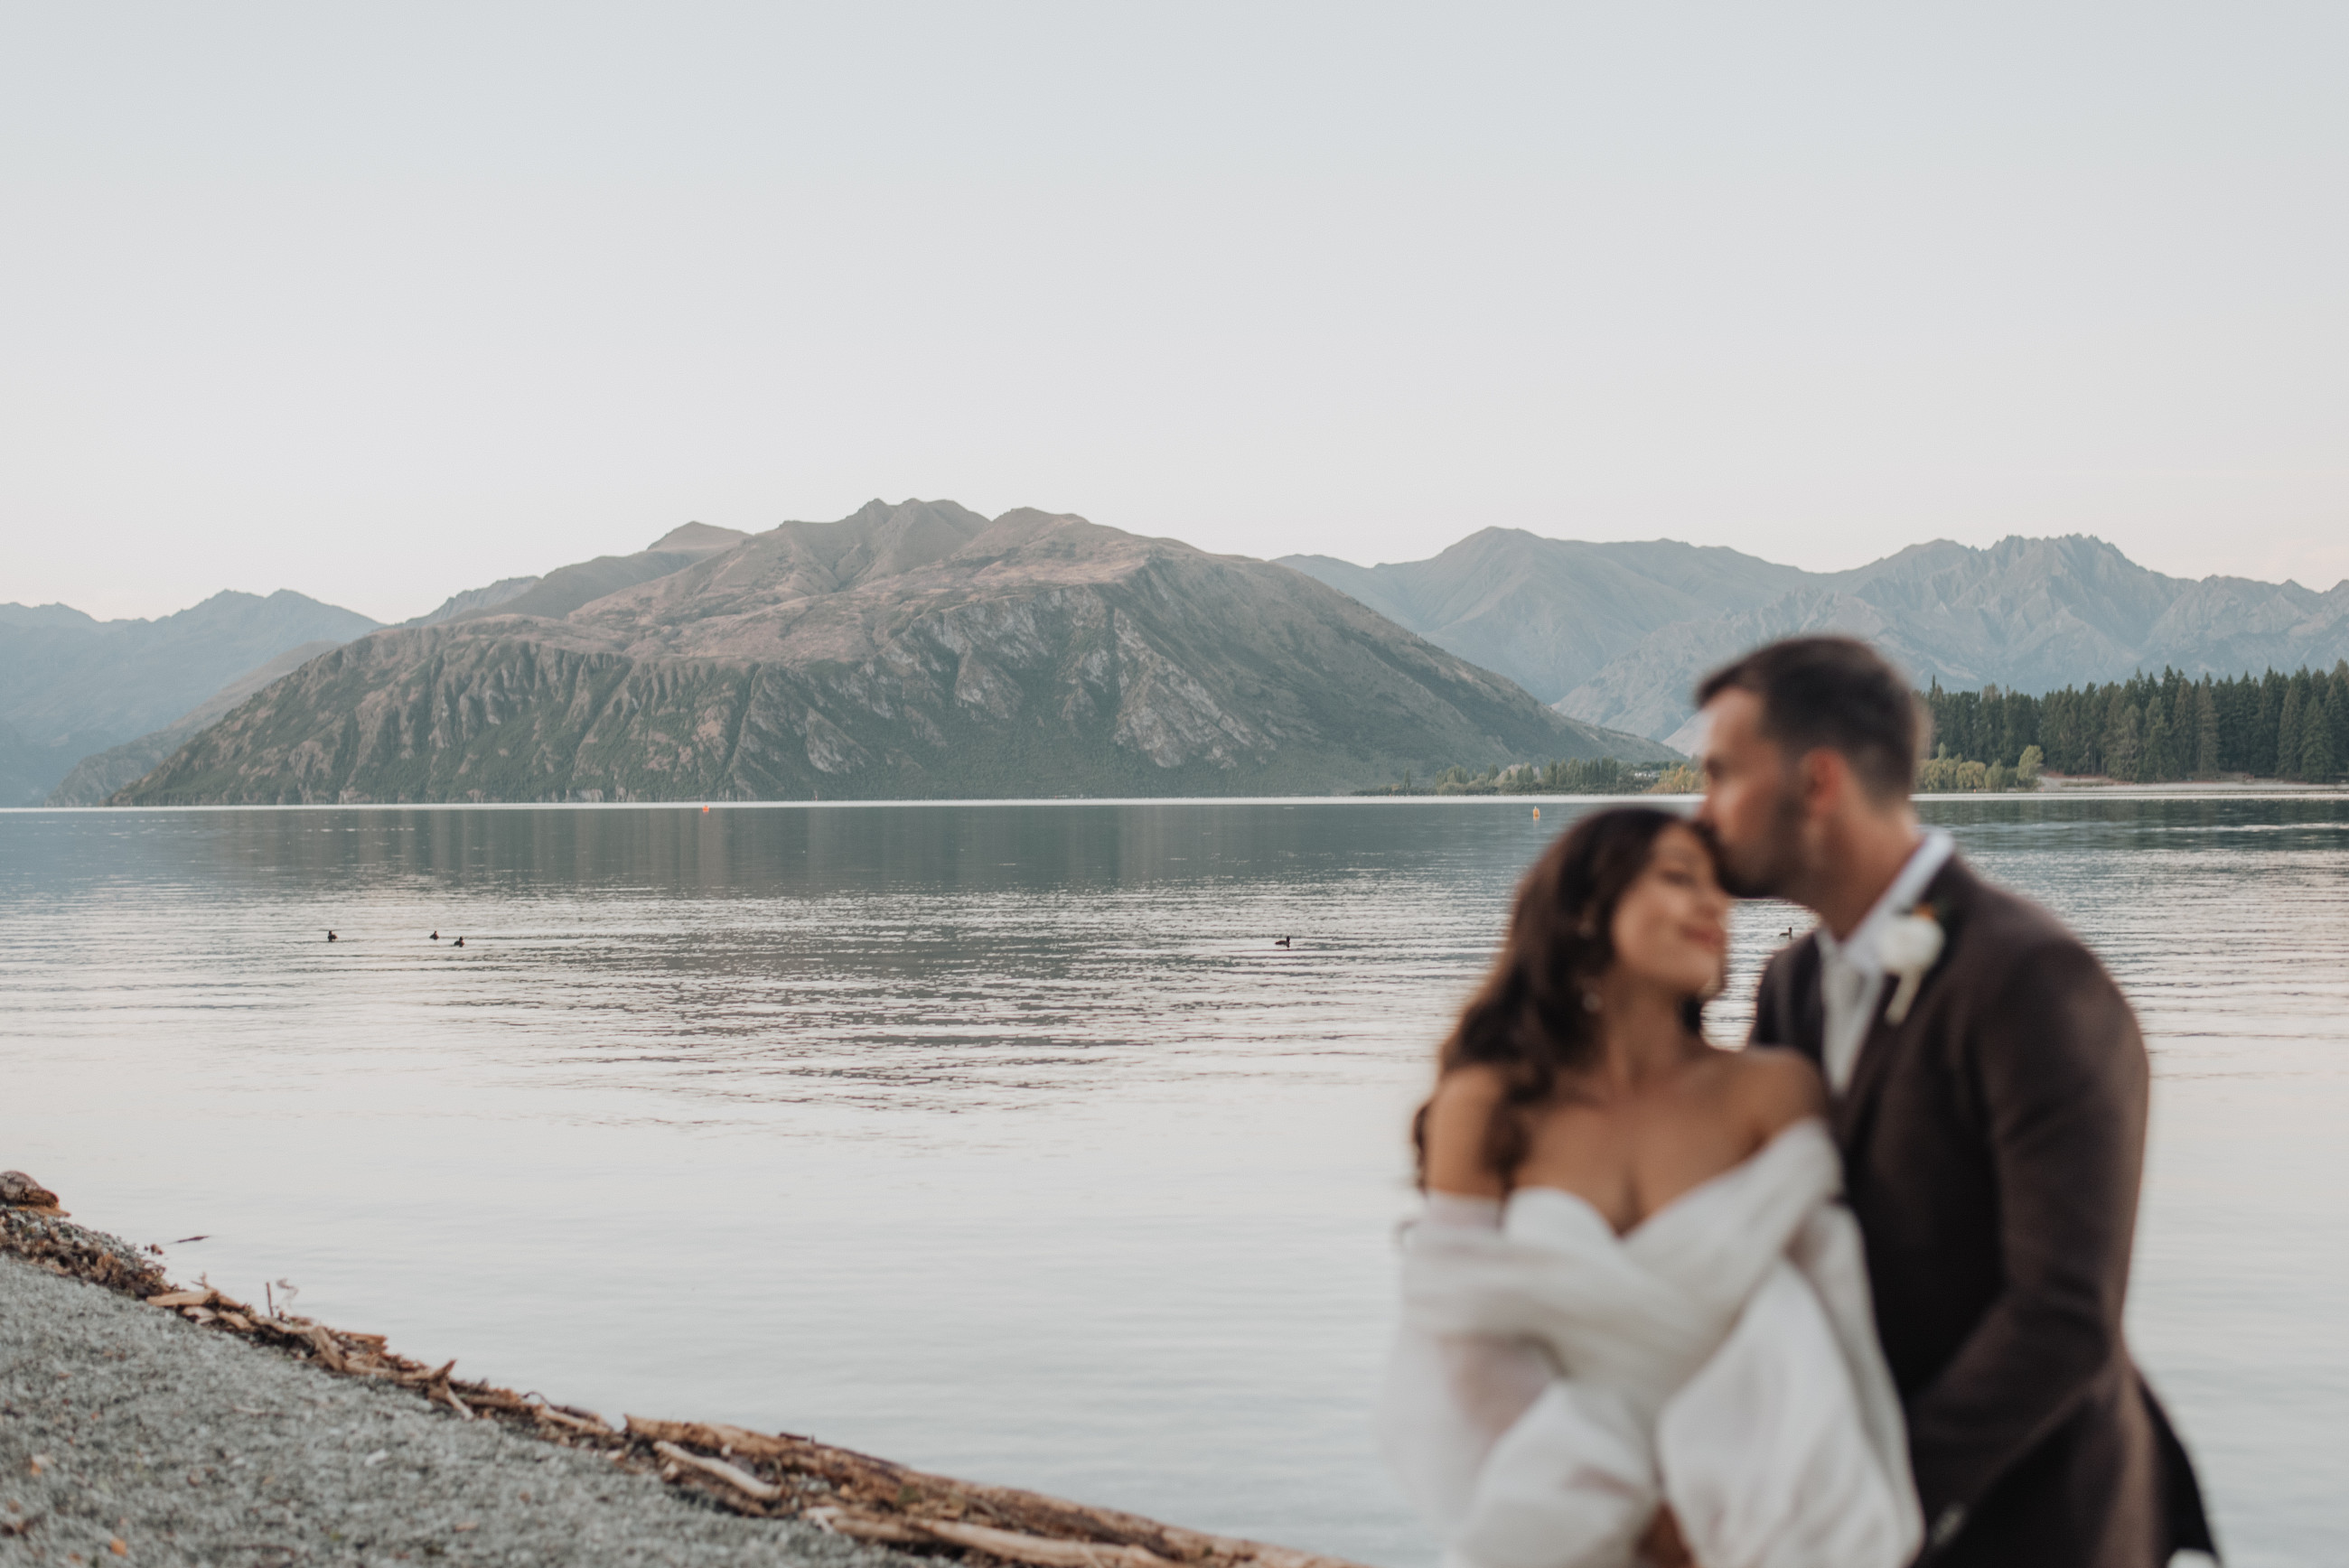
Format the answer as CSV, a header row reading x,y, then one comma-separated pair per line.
x,y
914,651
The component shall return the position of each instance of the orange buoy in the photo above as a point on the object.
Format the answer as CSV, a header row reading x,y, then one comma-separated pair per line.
x,y
1537,813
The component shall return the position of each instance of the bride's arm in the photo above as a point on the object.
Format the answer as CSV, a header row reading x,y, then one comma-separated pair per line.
x,y
1490,1380
1450,1397
1513,1462
1457,1116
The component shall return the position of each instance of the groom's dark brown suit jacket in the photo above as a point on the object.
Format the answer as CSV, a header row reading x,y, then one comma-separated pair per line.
x,y
1992,1146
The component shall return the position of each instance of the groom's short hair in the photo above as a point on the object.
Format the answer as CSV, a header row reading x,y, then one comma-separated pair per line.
x,y
1835,693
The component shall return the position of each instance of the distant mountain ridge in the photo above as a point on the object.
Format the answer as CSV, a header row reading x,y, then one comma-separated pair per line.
x,y
98,775
71,685
911,650
921,648
1550,613
575,585
2034,614
499,593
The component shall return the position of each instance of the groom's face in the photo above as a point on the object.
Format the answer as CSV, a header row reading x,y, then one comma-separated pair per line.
x,y
1752,800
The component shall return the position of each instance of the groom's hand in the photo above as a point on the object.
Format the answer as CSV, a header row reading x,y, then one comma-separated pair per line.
x,y
1661,1546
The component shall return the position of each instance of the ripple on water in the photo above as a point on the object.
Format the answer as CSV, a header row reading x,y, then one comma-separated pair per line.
x,y
1000,1139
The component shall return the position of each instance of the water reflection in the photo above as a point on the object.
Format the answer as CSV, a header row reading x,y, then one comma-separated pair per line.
x,y
1002,1139
735,852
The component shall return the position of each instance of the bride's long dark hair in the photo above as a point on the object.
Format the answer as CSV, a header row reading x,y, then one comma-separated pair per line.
x,y
1531,1019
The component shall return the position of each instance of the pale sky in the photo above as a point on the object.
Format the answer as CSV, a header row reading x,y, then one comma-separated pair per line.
x,y
380,302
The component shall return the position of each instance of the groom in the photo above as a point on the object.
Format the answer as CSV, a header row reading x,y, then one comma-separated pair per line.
x,y
1988,1085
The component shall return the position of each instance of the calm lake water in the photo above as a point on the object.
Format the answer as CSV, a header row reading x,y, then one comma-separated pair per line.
x,y
1000,1139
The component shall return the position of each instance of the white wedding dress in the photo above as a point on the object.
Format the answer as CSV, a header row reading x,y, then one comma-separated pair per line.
x,y
1554,1382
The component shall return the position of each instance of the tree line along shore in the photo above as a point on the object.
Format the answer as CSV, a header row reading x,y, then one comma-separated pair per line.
x,y
1565,776
2153,730
2147,729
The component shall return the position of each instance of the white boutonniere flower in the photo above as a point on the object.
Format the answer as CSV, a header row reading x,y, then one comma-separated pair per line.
x,y
1910,946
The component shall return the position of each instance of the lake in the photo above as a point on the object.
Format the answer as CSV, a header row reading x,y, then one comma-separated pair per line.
x,y
1001,1140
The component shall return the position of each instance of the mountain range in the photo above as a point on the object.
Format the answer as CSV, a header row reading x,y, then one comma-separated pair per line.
x,y
913,650
71,685
922,650
1617,634
55,659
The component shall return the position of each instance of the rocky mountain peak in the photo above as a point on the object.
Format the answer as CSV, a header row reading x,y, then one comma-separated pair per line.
x,y
914,649
698,538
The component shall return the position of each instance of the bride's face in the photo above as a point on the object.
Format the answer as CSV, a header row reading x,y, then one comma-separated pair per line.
x,y
1672,927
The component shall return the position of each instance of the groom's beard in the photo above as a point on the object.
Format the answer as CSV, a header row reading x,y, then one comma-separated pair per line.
x,y
1770,865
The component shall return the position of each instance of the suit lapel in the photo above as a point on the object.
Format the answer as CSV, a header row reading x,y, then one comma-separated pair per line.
x,y
1886,1042
1857,1106
1810,1003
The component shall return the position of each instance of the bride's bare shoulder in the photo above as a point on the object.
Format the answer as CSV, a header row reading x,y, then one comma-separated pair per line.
x,y
1457,1115
1778,1087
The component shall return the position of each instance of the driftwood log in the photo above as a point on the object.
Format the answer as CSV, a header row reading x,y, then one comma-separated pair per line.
x,y
878,1501
18,1190
767,1475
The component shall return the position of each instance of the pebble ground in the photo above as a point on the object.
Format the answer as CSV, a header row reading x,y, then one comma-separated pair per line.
x,y
130,1434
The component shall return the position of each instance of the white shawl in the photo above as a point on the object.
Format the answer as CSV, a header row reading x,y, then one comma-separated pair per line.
x,y
1553,1381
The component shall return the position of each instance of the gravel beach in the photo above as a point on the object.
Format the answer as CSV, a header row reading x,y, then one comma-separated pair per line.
x,y
129,1434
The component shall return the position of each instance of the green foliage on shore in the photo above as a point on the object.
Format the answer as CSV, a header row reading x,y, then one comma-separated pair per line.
x,y
1943,774
1565,776
2149,729
1680,779
2146,729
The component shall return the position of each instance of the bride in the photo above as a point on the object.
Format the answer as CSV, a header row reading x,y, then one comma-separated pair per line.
x,y
1636,1324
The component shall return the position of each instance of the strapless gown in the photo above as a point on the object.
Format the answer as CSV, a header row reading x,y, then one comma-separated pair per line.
x,y
1553,1382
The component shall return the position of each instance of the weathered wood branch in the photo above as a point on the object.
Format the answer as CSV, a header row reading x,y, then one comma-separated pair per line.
x,y
740,1480
941,1505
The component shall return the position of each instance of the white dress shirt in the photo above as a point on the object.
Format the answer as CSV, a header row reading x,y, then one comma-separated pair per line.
x,y
1851,972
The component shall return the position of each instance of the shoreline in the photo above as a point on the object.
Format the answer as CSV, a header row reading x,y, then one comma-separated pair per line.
x,y
2051,784
113,1382
2089,783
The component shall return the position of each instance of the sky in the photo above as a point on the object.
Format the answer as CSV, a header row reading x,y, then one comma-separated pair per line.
x,y
378,302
